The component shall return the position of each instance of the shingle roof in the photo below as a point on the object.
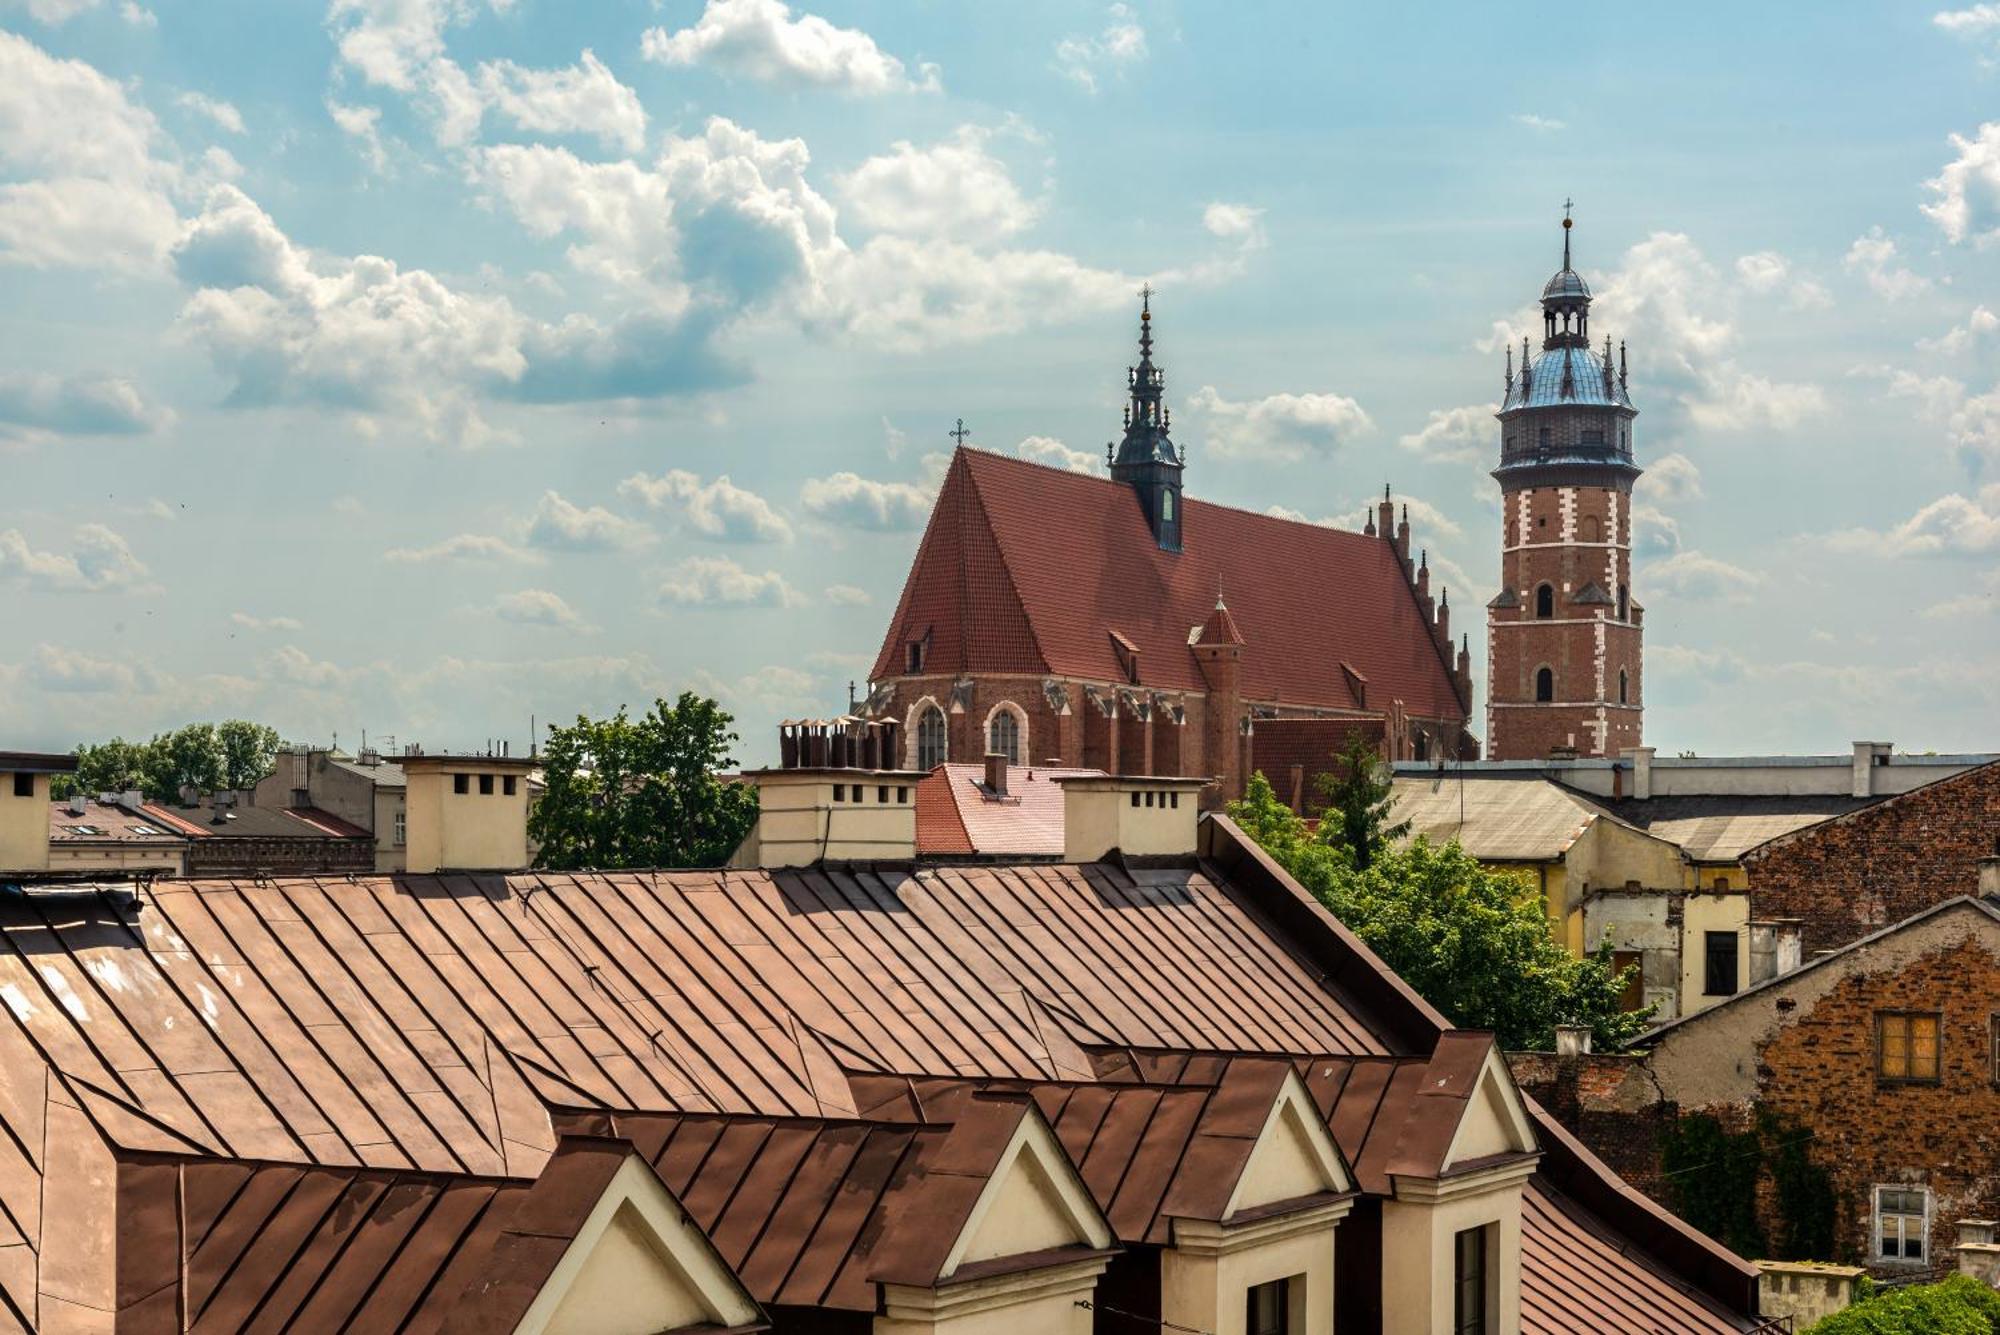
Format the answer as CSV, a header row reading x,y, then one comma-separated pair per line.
x,y
1024,569
114,823
1495,818
956,816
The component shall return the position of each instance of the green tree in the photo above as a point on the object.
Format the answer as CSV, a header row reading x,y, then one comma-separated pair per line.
x,y
1359,794
188,756
104,767
1959,1305
644,792
249,752
1474,943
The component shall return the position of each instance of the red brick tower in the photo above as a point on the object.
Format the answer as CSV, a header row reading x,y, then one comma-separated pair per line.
x,y
1563,636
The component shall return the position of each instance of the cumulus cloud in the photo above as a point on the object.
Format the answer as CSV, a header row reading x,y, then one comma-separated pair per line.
x,y
1239,223
1767,273
563,526
1967,207
1283,427
954,189
250,622
1670,479
847,595
1654,531
364,126
1456,435
41,403
72,670
717,581
1048,450
1083,58
720,509
1953,525
1693,576
223,115
1874,257
1971,421
1977,331
762,41
464,548
585,98
538,607
848,500
99,561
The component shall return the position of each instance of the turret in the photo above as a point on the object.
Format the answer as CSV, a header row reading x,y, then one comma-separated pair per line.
x,y
1146,458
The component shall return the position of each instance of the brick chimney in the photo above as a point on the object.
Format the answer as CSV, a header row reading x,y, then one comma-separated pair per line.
x,y
1136,816
465,813
996,774
831,799
24,807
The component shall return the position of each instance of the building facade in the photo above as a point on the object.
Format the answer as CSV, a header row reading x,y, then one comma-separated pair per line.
x,y
1115,624
1563,633
366,790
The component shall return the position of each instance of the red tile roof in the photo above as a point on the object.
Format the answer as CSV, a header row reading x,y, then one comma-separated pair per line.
x,y
955,815
1029,569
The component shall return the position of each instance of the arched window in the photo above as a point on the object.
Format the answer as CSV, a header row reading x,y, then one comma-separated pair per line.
x,y
1622,611
1624,684
930,738
1590,530
1545,601
1003,736
1545,685
1167,506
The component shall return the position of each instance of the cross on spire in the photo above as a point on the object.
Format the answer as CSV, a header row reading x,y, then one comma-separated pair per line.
x,y
1567,224
959,433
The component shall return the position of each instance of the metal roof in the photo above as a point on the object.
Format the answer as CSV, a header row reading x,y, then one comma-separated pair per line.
x,y
1567,285
1542,386
1495,818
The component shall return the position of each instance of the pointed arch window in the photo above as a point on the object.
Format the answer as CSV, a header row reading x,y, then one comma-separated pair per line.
x,y
930,738
1624,686
1003,737
1545,685
1623,601
1545,601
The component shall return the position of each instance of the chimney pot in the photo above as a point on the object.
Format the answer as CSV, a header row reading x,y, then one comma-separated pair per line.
x,y
1572,1040
996,774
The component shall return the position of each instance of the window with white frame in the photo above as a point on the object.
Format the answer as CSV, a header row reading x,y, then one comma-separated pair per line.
x,y
1902,1223
402,827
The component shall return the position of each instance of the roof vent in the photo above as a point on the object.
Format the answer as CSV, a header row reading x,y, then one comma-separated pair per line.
x,y
78,804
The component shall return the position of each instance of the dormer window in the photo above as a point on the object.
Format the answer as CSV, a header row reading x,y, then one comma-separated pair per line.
x,y
913,657
1167,506
1128,657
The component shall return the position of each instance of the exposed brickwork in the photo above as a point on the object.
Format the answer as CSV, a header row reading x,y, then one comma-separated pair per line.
x,y
1858,873
1311,744
1609,1102
236,856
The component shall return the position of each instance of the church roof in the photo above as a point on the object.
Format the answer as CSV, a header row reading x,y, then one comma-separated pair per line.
x,y
1543,385
1024,568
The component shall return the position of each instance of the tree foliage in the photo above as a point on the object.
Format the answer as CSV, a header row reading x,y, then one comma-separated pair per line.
x,y
1958,1305
1359,793
233,754
1474,943
644,792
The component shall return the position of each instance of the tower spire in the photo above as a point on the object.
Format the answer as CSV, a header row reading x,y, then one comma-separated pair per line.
x,y
1146,457
1567,224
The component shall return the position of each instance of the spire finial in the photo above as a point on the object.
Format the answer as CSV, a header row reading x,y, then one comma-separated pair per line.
x,y
1510,366
959,433
1567,224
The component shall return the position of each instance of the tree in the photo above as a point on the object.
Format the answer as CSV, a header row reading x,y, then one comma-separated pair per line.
x,y
1957,1305
624,792
249,752
1358,796
186,757
1474,943
105,767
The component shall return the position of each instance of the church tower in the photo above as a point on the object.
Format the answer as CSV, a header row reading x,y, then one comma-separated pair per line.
x,y
1146,460
1563,636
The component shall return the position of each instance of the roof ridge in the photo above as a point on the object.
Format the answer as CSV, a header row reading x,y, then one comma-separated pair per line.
x,y
1877,805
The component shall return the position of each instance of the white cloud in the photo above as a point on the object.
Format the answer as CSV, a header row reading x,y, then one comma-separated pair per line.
x,y
1456,435
99,562
1654,532
1082,58
563,526
1953,525
1975,21
138,15
364,125
76,406
720,509
847,595
953,189
1767,273
1874,257
53,12
1967,207
1971,421
585,98
538,607
71,670
1693,576
1543,124
717,581
249,622
468,548
1048,450
1978,330
223,115
1980,602
1239,223
1284,427
851,501
1670,479
761,40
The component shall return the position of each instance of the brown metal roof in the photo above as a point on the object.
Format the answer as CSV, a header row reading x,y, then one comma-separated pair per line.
x,y
1579,1276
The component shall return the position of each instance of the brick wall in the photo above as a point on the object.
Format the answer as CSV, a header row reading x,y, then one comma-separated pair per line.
x,y
241,856
1608,1102
1310,743
1864,871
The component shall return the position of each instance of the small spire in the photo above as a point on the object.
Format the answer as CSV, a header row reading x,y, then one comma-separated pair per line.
x,y
1423,553
1385,491
1621,361
1510,366
1444,596
1567,224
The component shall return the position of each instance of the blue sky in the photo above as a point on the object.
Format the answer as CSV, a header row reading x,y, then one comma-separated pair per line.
x,y
425,365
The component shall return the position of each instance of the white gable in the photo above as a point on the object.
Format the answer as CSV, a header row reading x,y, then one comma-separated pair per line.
x,y
1294,1155
638,1266
1033,1202
1495,1119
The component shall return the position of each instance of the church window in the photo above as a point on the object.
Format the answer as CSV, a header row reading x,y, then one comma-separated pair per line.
x,y
1590,529
1623,686
1423,746
1545,685
930,738
1545,601
1004,736
1167,506
1622,603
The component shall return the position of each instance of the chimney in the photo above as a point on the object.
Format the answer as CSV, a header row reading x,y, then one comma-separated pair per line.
x,y
1791,942
1642,770
78,804
24,807
1572,1040
1138,816
465,813
996,774
834,797
1869,756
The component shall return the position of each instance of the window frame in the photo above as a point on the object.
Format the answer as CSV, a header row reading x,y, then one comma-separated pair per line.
x,y
1548,674
1471,1320
1281,1317
24,783
1545,597
1875,1220
930,715
1708,962
1883,1021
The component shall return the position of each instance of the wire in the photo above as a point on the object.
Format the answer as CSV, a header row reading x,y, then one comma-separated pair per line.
x,y
1161,1322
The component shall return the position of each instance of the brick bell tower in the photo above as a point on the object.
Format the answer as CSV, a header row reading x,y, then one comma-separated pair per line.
x,y
1563,636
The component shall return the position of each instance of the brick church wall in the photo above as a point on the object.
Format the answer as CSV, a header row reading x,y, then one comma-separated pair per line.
x,y
1311,744
1862,872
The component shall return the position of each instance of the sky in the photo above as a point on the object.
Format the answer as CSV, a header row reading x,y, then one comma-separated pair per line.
x,y
436,367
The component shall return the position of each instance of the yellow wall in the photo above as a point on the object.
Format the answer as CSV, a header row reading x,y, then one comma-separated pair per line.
x,y
169,860
24,825
799,823
1610,856
1098,816
1701,914
1005,1305
469,831
1204,1279
1418,1239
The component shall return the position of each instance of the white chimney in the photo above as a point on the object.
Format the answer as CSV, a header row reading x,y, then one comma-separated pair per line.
x,y
1867,757
1133,815
78,804
1642,771
1572,1040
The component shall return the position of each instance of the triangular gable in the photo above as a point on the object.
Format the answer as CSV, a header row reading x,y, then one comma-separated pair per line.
x,y
1495,1120
1033,1201
637,1266
1294,1155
